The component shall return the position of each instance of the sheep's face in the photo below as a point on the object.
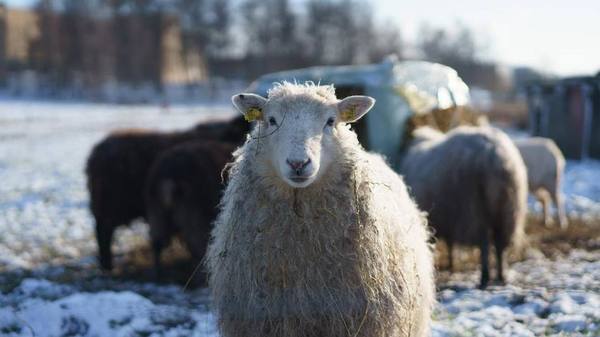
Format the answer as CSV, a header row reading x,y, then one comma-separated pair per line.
x,y
299,131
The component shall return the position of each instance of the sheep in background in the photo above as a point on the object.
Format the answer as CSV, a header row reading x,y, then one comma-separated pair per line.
x,y
183,190
316,237
473,183
118,166
545,168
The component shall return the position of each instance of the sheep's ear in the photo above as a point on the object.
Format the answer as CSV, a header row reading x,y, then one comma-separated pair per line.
x,y
352,108
250,105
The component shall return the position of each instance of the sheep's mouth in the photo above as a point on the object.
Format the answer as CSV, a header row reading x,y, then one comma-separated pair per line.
x,y
299,180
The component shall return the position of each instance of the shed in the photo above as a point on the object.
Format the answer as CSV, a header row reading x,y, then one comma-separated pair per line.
x,y
400,88
568,112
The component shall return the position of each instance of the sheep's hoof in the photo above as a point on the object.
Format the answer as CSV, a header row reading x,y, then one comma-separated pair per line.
x,y
105,266
157,273
564,225
499,282
483,284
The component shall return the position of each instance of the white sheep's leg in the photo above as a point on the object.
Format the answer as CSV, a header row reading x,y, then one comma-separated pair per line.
x,y
547,216
544,198
560,209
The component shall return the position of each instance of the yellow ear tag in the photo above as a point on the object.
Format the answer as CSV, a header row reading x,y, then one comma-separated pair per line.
x,y
349,114
253,114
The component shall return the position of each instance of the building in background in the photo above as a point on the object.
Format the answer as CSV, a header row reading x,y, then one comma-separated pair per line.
x,y
567,111
125,54
2,43
18,28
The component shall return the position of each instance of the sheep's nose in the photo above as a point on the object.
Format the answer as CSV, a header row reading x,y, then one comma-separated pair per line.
x,y
298,165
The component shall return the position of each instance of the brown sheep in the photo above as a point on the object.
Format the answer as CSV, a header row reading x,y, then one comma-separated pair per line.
x,y
183,190
473,183
118,166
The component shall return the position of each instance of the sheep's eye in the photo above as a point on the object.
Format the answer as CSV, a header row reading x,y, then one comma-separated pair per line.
x,y
330,121
272,121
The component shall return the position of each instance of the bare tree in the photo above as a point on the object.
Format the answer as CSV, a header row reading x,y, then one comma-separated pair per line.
x,y
3,65
271,35
46,54
330,27
100,40
440,45
219,27
206,25
460,50
344,32
136,30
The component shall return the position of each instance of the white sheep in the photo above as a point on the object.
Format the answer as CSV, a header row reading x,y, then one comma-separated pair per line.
x,y
316,237
545,167
473,184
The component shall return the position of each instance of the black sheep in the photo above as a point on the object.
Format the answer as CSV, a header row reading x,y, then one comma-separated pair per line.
x,y
118,166
182,194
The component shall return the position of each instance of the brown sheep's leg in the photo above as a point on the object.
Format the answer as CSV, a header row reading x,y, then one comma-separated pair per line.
x,y
500,262
450,246
104,234
196,233
160,235
484,256
157,247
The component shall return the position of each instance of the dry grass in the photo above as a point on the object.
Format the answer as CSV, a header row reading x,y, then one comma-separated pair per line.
x,y
445,119
509,114
177,266
551,241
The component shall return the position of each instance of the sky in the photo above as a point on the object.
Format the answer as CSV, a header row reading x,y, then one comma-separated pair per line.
x,y
555,36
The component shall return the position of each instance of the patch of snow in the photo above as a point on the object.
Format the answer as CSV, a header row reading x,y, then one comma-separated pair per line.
x,y
563,304
51,309
570,323
535,306
552,297
581,187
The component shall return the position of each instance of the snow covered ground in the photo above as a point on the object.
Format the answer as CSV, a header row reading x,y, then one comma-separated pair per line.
x,y
582,188
547,298
46,241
